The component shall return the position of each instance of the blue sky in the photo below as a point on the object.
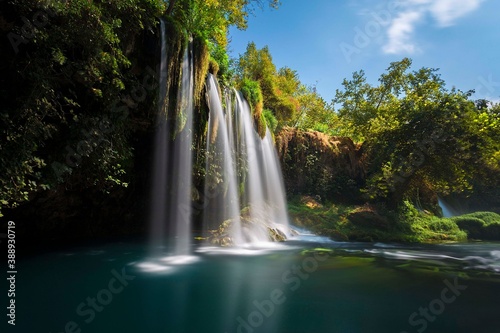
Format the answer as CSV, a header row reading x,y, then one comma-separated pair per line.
x,y
327,40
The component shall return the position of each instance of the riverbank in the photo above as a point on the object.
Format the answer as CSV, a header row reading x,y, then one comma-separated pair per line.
x,y
372,223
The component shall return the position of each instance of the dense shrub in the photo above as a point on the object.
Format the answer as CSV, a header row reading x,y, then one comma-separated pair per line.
x,y
481,225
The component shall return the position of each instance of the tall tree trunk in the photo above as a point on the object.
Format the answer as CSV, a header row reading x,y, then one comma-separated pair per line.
x,y
170,8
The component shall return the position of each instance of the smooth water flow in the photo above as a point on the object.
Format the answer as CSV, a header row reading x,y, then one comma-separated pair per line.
x,y
275,186
250,153
172,168
158,195
243,180
448,211
221,180
243,190
181,177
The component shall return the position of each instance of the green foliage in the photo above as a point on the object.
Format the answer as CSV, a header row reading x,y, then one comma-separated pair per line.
x,y
480,225
63,95
211,19
416,131
278,87
252,92
292,103
271,120
406,224
219,55
314,113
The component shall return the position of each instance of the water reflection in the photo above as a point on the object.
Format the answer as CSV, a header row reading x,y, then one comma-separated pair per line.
x,y
308,285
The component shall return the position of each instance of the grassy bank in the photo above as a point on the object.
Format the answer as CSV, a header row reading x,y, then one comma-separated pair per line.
x,y
375,223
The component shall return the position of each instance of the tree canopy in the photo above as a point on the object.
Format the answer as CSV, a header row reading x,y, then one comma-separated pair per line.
x,y
290,101
212,18
418,132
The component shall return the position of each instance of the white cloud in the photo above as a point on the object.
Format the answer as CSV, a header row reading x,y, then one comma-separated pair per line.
x,y
400,33
401,30
447,11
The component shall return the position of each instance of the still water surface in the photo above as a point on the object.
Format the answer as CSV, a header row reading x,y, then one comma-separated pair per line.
x,y
309,284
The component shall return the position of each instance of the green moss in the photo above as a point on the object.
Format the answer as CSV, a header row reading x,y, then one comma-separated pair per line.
x,y
213,67
373,223
177,43
253,94
261,125
201,61
480,225
270,119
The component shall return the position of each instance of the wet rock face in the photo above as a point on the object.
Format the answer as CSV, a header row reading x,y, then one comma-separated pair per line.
x,y
314,163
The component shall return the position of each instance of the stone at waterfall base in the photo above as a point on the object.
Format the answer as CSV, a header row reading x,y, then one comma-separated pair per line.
x,y
250,227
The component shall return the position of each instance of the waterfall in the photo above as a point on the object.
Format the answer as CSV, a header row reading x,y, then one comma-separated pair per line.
x,y
243,188
221,181
447,210
182,174
275,187
244,181
170,203
158,195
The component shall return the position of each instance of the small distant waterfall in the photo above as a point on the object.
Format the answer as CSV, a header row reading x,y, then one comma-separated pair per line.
x,y
170,206
447,210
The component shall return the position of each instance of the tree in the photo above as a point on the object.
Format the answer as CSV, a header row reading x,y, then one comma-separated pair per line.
x,y
356,111
63,116
362,104
416,132
212,18
279,88
314,114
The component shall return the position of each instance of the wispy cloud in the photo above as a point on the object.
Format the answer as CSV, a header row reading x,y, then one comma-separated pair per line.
x,y
400,33
401,30
446,12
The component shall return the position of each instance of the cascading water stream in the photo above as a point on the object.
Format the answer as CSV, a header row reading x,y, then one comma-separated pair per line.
x,y
250,150
243,181
158,195
181,177
243,185
275,186
172,168
221,180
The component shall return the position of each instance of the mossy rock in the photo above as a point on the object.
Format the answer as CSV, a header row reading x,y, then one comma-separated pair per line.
x,y
361,236
480,225
222,235
366,217
277,235
472,226
337,235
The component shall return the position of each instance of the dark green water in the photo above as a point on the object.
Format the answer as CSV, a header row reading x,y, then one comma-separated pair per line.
x,y
299,287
